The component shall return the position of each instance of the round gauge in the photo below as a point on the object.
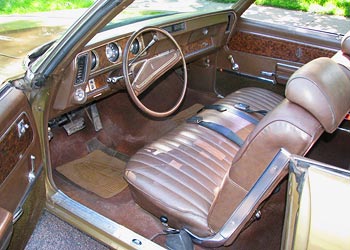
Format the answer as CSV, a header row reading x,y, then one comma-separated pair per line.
x,y
112,52
135,47
94,60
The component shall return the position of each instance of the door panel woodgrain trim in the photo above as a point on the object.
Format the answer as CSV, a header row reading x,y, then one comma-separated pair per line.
x,y
13,147
15,151
276,48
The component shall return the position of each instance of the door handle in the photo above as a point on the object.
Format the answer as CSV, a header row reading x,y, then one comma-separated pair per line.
x,y
31,175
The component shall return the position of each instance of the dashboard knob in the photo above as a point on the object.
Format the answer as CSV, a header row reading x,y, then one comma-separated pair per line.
x,y
80,96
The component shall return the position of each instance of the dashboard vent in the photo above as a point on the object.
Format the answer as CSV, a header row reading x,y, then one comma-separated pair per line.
x,y
82,61
229,22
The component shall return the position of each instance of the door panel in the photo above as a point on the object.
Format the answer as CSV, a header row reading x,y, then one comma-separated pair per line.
x,y
5,228
20,156
280,48
274,52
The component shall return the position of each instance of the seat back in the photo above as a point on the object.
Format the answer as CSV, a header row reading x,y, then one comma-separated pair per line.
x,y
343,56
317,99
345,44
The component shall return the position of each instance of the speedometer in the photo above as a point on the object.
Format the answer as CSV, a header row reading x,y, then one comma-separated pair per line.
x,y
113,52
135,47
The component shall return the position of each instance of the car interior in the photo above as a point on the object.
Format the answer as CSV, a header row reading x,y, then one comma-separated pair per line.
x,y
169,129
181,170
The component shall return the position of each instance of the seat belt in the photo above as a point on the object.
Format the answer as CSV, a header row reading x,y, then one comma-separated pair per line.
x,y
238,112
227,133
246,108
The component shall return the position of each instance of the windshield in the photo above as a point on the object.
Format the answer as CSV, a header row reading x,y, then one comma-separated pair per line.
x,y
21,33
146,9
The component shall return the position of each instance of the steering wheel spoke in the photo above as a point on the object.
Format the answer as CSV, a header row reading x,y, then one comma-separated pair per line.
x,y
154,68
146,72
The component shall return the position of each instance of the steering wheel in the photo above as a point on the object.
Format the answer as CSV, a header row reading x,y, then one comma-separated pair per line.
x,y
145,72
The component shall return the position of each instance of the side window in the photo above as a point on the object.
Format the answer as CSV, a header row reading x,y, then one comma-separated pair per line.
x,y
315,17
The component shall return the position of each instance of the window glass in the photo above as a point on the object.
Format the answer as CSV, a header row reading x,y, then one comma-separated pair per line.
x,y
146,9
322,22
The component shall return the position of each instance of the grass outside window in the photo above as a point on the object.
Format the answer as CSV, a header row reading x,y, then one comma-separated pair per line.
x,y
330,7
28,6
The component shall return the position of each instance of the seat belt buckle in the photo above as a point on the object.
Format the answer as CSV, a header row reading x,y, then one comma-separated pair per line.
x,y
222,109
194,120
242,106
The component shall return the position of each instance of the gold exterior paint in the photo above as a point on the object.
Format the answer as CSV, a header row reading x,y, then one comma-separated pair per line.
x,y
317,209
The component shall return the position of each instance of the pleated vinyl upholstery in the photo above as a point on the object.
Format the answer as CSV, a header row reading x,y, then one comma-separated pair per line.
x,y
197,177
256,98
179,175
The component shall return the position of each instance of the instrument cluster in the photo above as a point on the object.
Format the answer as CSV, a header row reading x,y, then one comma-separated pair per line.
x,y
99,61
114,50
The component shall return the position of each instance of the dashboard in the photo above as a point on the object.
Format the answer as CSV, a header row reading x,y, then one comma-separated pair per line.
x,y
96,71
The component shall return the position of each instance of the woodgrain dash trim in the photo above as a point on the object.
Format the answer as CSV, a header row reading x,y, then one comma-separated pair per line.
x,y
197,46
12,148
276,48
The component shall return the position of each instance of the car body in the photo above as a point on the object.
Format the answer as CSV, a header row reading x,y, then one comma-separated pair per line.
x,y
87,67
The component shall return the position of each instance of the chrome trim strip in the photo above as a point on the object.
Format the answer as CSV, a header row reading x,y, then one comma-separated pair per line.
x,y
262,79
19,210
300,163
249,203
125,236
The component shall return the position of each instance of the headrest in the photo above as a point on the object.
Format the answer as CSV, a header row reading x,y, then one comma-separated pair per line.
x,y
322,88
345,43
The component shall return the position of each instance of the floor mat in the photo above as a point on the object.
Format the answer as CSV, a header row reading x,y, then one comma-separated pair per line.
x,y
187,113
97,172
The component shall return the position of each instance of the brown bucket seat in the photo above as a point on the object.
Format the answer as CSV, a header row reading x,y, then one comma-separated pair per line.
x,y
256,98
343,56
197,178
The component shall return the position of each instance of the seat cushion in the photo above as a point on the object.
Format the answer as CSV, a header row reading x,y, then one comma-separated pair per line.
x,y
256,98
180,175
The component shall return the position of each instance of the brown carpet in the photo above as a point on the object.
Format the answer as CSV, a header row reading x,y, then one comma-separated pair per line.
x,y
97,172
332,149
125,130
